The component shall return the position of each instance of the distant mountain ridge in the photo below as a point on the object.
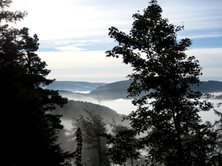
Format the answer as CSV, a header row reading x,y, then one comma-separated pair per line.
x,y
209,86
117,90
74,86
113,90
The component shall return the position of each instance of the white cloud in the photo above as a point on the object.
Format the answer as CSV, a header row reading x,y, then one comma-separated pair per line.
x,y
210,60
212,74
202,36
95,66
198,14
85,66
208,57
70,25
56,19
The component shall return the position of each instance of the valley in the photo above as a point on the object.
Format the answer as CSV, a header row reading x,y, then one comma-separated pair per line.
x,y
114,98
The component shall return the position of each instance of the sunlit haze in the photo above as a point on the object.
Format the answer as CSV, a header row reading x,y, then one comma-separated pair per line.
x,y
74,34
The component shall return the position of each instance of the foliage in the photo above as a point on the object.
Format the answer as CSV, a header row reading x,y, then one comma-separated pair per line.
x,y
218,124
161,86
78,152
94,144
123,145
30,130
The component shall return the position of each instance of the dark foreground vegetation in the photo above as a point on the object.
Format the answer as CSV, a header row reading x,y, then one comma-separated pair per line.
x,y
166,127
29,130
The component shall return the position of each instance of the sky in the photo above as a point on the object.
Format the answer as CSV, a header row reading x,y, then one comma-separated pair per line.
x,y
74,34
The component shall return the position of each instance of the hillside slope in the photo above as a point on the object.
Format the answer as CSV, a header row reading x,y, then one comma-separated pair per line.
x,y
118,89
114,90
74,109
74,86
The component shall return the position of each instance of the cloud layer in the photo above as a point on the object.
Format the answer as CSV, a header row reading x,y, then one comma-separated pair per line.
x,y
74,34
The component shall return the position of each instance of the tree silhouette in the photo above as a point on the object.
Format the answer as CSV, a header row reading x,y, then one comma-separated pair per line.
x,y
78,152
29,127
94,143
161,86
218,124
123,145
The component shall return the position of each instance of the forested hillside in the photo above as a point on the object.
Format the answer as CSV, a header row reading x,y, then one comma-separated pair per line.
x,y
118,90
74,109
74,86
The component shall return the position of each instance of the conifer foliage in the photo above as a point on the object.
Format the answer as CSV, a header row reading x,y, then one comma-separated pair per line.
x,y
29,127
94,149
123,145
78,152
161,86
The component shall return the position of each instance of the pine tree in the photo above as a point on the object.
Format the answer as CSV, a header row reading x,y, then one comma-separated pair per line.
x,y
218,124
29,127
161,86
78,152
94,150
123,145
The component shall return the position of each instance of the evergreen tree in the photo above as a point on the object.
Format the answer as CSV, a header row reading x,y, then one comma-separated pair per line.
x,y
94,150
161,86
30,129
78,152
218,125
123,145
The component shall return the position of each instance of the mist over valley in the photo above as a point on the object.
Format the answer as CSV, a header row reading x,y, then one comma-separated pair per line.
x,y
112,98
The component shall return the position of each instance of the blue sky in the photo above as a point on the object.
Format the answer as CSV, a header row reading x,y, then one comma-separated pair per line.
x,y
74,34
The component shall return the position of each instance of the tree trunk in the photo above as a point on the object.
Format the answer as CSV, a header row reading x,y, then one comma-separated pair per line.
x,y
131,159
99,151
180,157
